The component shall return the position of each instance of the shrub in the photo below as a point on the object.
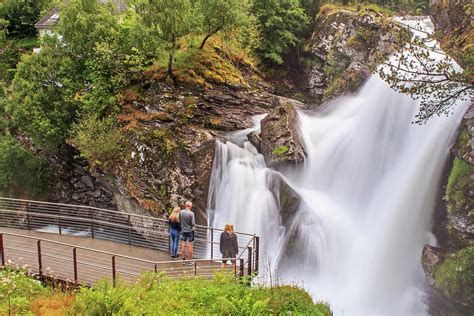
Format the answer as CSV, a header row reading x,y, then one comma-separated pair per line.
x,y
16,289
21,170
99,140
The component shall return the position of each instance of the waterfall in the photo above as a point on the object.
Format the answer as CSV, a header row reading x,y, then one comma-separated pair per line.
x,y
367,188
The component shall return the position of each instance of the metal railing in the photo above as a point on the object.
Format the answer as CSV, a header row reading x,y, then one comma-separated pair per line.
x,y
81,265
135,230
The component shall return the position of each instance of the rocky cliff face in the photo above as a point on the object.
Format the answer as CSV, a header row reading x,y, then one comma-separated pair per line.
x,y
347,46
449,268
170,134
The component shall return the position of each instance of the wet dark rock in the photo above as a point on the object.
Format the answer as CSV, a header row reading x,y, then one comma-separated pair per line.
x,y
289,200
432,256
87,180
255,139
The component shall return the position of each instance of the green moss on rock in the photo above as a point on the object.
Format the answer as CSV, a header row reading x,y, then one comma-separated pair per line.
x,y
280,151
458,183
455,276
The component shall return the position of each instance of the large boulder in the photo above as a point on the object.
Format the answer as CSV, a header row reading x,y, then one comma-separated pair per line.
x,y
279,140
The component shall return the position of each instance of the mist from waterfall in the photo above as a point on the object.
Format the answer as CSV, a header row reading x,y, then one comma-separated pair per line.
x,y
368,189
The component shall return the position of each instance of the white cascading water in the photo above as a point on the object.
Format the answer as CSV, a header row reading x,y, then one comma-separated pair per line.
x,y
367,188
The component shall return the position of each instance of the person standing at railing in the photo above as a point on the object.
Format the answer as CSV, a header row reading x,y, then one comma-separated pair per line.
x,y
229,245
188,226
175,231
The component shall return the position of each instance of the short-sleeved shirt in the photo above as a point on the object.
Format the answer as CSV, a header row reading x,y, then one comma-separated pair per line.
x,y
188,223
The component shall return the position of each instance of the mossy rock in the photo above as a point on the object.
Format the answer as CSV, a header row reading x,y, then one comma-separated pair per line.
x,y
280,151
459,179
455,276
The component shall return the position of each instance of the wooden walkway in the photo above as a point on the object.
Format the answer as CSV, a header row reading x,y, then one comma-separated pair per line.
x,y
84,260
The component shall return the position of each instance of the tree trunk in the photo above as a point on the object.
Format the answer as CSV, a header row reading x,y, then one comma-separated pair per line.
x,y
204,41
169,72
207,37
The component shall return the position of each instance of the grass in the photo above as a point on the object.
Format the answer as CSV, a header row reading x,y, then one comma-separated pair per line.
x,y
214,65
458,183
333,8
154,294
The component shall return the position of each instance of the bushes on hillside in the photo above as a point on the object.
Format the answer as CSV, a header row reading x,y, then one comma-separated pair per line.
x,y
154,294
21,170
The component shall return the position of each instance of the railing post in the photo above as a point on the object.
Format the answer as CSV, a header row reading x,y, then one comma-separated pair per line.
x,y
92,223
156,267
249,268
28,216
241,267
2,250
74,259
59,221
212,243
257,253
195,268
40,259
114,272
129,230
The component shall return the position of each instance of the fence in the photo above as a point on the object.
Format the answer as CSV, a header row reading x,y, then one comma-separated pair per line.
x,y
81,265
131,229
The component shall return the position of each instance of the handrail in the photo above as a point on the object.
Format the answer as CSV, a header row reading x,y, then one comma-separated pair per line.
x,y
109,211
148,231
107,268
101,251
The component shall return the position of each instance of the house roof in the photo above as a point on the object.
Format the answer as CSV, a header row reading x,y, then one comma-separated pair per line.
x,y
52,17
48,20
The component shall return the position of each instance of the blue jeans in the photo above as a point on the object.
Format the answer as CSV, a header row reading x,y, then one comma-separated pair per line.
x,y
174,233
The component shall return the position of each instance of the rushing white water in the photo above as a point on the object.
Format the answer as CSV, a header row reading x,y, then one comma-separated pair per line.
x,y
367,188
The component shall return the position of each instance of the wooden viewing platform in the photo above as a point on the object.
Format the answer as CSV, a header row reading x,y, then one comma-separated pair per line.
x,y
82,245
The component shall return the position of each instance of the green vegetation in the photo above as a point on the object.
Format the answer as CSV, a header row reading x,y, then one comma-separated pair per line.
x,y
280,151
21,170
455,276
384,6
99,140
458,183
280,22
16,291
21,15
154,294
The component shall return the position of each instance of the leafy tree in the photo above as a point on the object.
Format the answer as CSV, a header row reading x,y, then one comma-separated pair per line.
x,y
220,15
84,23
21,170
44,88
427,74
22,15
280,22
170,20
